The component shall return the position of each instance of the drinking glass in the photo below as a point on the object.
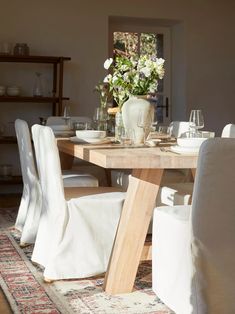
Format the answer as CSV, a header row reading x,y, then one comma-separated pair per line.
x,y
80,125
154,120
196,122
100,118
127,136
164,132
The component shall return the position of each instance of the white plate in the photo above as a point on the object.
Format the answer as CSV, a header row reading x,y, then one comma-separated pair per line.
x,y
184,150
152,142
76,139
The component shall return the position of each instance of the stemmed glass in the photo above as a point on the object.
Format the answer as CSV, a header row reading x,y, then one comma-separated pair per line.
x,y
67,116
196,122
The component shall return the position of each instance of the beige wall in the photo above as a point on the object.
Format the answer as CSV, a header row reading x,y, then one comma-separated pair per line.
x,y
203,69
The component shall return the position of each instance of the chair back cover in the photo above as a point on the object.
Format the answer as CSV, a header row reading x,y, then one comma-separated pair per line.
x,y
213,227
179,127
53,201
30,207
74,238
228,130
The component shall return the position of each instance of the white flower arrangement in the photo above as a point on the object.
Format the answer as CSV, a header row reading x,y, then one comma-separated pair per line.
x,y
132,76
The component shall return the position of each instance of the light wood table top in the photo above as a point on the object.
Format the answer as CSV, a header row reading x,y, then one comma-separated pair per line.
x,y
148,165
116,156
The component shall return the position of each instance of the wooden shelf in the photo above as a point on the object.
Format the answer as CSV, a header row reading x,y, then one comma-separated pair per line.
x,y
57,88
33,59
31,99
11,180
8,140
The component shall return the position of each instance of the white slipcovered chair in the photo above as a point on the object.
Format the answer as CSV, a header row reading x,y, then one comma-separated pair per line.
x,y
228,130
193,246
56,123
176,185
178,175
179,127
75,234
30,206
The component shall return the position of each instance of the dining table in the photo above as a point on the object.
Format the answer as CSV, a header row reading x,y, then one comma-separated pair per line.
x,y
147,164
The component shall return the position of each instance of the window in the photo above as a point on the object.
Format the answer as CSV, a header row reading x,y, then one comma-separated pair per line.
x,y
140,37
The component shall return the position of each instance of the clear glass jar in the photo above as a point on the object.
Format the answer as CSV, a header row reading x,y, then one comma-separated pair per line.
x,y
21,49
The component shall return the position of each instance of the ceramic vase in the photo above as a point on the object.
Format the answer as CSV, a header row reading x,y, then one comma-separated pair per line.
x,y
131,111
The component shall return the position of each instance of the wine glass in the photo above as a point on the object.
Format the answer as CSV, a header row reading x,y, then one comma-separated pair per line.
x,y
67,116
154,120
196,122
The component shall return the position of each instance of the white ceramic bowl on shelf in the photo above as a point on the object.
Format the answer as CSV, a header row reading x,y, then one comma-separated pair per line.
x,y
13,91
90,134
2,90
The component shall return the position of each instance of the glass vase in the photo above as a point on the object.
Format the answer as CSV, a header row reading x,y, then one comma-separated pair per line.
x,y
118,126
38,89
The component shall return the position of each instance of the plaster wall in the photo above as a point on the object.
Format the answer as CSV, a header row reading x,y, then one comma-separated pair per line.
x,y
203,50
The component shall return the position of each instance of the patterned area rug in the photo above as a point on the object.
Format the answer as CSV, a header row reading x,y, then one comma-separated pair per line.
x,y
22,283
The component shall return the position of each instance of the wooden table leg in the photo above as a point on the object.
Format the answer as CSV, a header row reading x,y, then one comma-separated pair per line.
x,y
66,161
193,170
133,226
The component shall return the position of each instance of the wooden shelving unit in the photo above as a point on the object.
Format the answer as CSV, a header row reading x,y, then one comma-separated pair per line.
x,y
31,99
57,90
56,99
11,180
8,140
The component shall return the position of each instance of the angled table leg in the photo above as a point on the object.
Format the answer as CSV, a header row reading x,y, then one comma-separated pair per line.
x,y
193,170
133,226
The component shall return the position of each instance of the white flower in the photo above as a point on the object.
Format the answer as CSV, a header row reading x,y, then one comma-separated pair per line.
x,y
114,79
160,61
132,75
107,78
107,63
146,71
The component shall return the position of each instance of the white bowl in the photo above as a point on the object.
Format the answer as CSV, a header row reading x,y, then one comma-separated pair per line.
x,y
13,91
83,134
2,90
194,142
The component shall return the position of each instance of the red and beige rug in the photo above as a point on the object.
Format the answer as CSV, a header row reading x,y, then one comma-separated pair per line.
x,y
23,285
